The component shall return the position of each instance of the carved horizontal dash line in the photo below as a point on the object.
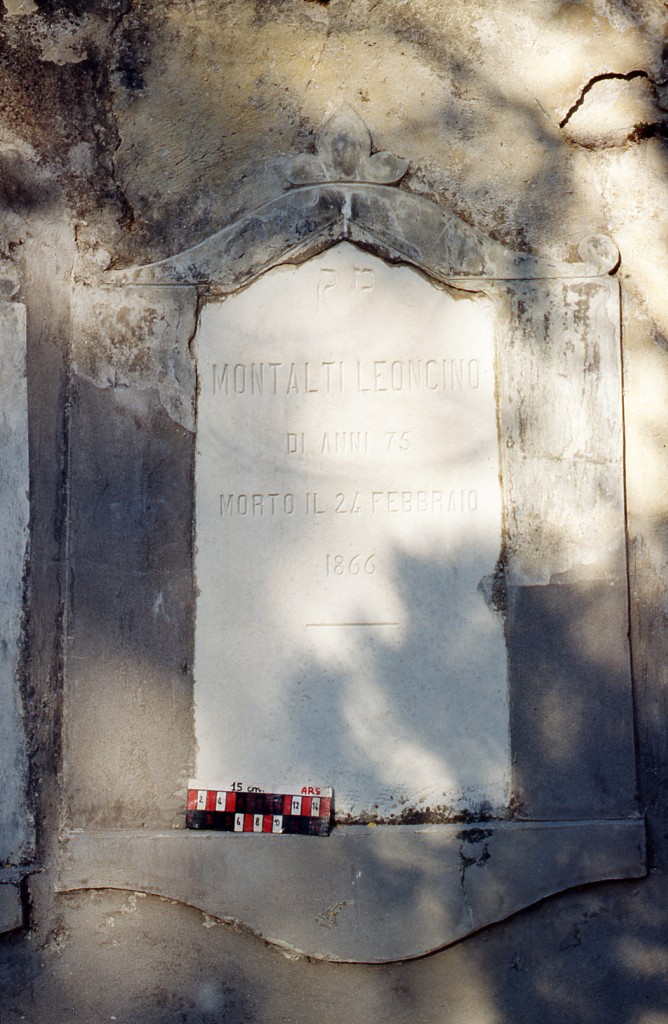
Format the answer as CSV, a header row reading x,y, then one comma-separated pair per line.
x,y
330,624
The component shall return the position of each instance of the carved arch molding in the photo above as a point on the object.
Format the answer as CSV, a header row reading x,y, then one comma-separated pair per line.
x,y
399,891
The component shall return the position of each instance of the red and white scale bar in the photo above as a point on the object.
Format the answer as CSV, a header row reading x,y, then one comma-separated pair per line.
x,y
299,801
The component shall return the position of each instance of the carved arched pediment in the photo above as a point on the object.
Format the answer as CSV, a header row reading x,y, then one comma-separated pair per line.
x,y
344,192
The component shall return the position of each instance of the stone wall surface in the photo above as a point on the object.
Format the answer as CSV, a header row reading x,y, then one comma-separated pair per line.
x,y
131,132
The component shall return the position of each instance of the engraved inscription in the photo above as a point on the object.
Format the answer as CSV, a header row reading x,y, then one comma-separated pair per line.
x,y
348,442
363,280
341,565
326,281
345,442
340,376
259,506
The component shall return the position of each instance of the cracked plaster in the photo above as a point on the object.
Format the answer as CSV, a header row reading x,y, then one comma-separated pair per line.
x,y
610,109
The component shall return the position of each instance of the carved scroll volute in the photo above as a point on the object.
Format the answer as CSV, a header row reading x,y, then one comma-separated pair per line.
x,y
9,277
343,153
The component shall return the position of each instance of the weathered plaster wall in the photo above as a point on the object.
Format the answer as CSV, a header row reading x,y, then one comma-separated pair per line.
x,y
129,131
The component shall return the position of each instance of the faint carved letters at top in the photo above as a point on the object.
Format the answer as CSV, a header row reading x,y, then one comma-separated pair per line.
x,y
363,280
343,153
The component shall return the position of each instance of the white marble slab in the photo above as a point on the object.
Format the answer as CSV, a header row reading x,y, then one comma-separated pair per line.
x,y
347,509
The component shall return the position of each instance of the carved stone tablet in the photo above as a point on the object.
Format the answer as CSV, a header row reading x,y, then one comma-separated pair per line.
x,y
353,545
348,521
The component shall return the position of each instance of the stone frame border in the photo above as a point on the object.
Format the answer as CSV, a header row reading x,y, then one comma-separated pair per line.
x,y
16,813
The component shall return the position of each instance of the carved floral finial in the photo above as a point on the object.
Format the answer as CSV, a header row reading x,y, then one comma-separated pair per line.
x,y
343,153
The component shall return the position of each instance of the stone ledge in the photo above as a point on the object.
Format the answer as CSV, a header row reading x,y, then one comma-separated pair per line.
x,y
365,894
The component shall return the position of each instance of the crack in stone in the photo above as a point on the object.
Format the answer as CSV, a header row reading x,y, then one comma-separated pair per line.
x,y
127,209
317,61
606,76
649,130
